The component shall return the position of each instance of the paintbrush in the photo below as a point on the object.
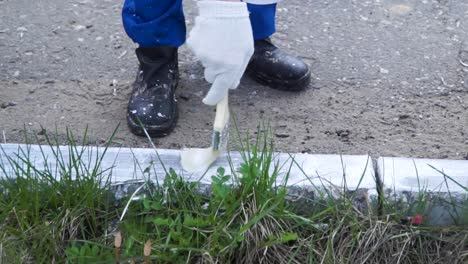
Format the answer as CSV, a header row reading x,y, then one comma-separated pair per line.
x,y
198,159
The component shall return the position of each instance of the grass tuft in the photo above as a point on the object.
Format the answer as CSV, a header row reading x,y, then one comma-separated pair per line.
x,y
43,207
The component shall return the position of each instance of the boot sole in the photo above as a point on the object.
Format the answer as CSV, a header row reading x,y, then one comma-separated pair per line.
x,y
278,84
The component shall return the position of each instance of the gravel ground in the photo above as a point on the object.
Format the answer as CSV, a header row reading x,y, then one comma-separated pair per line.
x,y
390,77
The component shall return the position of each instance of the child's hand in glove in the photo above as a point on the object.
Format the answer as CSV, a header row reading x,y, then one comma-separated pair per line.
x,y
222,40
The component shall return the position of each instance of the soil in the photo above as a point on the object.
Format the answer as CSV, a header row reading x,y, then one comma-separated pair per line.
x,y
389,77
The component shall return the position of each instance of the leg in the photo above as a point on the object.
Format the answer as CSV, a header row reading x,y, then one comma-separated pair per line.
x,y
153,23
270,65
158,26
262,18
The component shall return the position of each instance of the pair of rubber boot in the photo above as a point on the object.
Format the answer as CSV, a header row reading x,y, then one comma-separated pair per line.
x,y
153,106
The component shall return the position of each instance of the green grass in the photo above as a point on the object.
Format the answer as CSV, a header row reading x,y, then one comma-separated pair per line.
x,y
42,210
246,217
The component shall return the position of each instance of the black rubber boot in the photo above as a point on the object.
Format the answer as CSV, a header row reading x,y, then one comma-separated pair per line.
x,y
153,102
277,69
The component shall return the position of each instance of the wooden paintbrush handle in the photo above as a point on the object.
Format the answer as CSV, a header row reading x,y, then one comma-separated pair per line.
x,y
222,114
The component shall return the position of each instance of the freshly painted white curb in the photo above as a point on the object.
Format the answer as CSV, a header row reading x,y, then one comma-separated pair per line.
x,y
128,164
403,174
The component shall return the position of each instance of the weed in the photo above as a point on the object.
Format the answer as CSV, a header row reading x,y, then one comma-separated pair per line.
x,y
45,206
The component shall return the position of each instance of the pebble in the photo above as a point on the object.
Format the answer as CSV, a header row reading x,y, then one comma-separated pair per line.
x,y
384,71
306,151
281,135
343,132
400,9
78,27
8,104
403,116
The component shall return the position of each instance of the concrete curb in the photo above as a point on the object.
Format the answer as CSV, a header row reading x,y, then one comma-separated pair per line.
x,y
444,183
129,164
405,174
396,178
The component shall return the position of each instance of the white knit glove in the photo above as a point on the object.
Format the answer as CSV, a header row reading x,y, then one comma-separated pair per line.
x,y
222,40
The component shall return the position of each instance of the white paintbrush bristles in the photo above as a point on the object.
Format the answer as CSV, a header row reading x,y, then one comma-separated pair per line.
x,y
198,159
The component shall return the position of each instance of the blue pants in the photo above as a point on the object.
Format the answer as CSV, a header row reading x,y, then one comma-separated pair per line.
x,y
153,23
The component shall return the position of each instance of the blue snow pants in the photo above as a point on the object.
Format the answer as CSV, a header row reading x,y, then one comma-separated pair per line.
x,y
153,23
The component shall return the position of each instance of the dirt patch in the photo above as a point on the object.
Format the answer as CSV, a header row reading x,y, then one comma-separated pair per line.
x,y
354,121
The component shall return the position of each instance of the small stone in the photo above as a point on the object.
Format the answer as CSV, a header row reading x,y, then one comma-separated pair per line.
x,y
101,141
281,135
306,150
78,27
8,104
343,132
400,9
403,116
384,71
440,105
